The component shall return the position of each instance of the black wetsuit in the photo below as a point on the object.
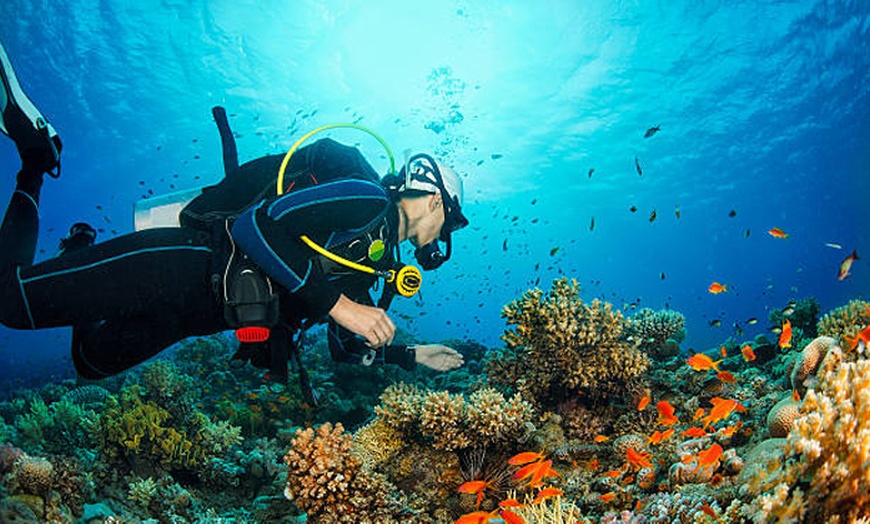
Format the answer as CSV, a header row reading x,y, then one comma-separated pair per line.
x,y
132,296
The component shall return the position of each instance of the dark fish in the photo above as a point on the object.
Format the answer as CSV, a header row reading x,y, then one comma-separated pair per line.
x,y
495,156
504,245
637,166
554,250
589,174
677,212
652,216
479,162
651,131
592,224
715,322
633,209
535,220
732,213
663,276
746,234
751,321
737,329
534,201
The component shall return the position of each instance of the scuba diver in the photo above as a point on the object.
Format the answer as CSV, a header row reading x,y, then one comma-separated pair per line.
x,y
265,259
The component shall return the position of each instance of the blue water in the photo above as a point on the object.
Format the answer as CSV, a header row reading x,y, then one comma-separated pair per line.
x,y
764,109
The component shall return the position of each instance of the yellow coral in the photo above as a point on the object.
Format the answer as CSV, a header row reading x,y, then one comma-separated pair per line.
x,y
442,418
376,442
845,321
829,448
400,404
559,344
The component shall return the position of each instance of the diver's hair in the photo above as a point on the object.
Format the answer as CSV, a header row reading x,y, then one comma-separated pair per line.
x,y
415,193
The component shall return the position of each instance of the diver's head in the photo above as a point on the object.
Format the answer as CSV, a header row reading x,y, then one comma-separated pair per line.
x,y
430,194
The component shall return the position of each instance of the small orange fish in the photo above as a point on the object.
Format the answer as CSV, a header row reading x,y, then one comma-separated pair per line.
x,y
796,396
730,430
474,487
708,510
627,480
726,377
613,473
644,402
717,480
717,288
541,473
607,497
547,493
509,517
776,232
655,438
478,517
709,456
846,265
701,362
666,413
862,336
694,432
722,409
510,503
785,335
601,438
698,414
668,433
723,352
524,458
638,459
748,354
593,464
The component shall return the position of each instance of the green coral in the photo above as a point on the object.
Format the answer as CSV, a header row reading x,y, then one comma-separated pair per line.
x,y
133,427
560,345
56,428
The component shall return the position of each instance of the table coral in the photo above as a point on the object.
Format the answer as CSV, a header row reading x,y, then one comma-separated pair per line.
x,y
558,345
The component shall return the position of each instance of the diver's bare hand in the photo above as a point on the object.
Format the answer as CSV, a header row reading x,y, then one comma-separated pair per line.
x,y
369,322
438,357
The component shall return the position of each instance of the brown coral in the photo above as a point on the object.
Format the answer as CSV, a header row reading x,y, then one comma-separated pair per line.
x,y
326,481
32,475
782,416
376,442
633,441
807,364
845,321
652,329
558,344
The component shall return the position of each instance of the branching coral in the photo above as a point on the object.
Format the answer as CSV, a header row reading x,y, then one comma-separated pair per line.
x,y
377,442
32,475
453,422
326,481
827,451
653,328
60,427
845,321
559,344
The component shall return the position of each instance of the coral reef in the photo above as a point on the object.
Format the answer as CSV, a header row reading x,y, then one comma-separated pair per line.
x,y
377,442
329,483
653,329
845,321
803,315
560,345
60,427
826,452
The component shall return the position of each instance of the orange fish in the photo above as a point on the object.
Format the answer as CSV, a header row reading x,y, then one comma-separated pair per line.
x,y
666,434
474,487
862,336
785,335
607,497
796,396
723,352
547,493
666,413
717,288
777,233
846,265
701,362
730,430
655,438
722,409
601,438
638,459
510,503
541,473
478,517
524,458
613,473
593,464
509,517
698,414
748,354
644,402
694,432
708,510
726,377
709,456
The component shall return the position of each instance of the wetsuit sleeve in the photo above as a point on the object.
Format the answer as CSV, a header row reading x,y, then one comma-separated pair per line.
x,y
344,346
269,234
